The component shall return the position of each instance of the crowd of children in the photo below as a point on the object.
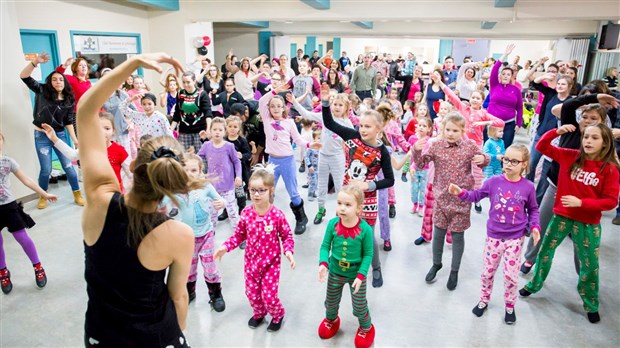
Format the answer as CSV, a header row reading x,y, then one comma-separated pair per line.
x,y
356,143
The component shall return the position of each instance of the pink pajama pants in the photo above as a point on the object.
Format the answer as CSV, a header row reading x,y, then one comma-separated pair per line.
x,y
427,220
203,250
391,196
494,251
261,288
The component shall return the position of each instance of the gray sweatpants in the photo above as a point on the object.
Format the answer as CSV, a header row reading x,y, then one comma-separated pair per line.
x,y
334,165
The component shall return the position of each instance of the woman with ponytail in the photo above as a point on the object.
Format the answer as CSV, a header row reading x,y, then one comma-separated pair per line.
x,y
129,244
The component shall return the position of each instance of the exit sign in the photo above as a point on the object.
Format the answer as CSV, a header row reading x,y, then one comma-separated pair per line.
x,y
471,41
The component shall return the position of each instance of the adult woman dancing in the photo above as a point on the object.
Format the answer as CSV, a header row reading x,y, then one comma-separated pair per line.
x,y
506,101
129,244
79,80
54,105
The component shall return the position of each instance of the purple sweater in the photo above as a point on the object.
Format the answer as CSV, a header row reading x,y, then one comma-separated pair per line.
x,y
223,165
505,100
513,205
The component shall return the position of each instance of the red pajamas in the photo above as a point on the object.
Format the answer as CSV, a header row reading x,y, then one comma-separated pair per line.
x,y
263,257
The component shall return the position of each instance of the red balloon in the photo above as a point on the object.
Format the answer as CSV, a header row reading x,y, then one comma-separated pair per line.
x,y
207,40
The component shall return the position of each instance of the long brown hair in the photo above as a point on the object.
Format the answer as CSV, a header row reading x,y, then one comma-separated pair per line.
x,y
153,179
607,154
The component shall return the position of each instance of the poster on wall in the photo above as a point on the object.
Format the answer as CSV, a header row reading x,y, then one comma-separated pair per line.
x,y
104,51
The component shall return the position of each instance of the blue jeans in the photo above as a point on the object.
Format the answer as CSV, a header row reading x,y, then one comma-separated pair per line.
x,y
44,148
535,157
543,183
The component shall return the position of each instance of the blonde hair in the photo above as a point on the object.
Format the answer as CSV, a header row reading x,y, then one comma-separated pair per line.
x,y
354,192
107,116
493,131
456,118
264,173
155,178
386,112
170,77
525,154
375,115
417,110
190,156
232,118
217,120
345,100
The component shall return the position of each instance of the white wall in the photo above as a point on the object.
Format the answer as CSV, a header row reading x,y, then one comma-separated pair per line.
x,y
191,32
16,109
424,49
526,49
243,44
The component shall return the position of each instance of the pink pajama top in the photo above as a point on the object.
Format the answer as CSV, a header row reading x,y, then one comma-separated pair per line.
x,y
263,234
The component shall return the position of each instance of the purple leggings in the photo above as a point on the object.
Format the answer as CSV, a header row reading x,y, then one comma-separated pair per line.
x,y
27,244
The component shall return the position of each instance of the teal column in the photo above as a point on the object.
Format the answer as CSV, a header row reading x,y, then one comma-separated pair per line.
x,y
310,45
320,49
264,43
337,52
445,49
293,51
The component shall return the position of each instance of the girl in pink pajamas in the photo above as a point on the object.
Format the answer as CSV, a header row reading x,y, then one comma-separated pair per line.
x,y
513,209
263,226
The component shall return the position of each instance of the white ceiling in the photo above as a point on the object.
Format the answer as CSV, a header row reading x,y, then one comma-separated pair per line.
x,y
416,18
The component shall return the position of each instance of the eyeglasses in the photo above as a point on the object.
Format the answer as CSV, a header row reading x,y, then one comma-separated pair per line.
x,y
276,80
258,191
512,162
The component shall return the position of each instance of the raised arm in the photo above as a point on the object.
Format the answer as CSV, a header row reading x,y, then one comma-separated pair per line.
x,y
345,133
98,175
41,58
232,68
313,116
541,61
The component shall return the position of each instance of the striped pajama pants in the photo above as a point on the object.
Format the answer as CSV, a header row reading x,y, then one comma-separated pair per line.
x,y
427,220
335,284
203,250
334,165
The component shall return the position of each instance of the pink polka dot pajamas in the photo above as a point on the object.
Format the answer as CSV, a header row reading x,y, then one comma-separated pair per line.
x,y
263,257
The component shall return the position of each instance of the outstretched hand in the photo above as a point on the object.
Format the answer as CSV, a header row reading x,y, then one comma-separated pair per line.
x,y
42,58
607,101
567,128
324,91
153,60
509,49
217,256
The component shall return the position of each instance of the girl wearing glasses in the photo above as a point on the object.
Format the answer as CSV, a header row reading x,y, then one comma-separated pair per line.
x,y
513,209
264,227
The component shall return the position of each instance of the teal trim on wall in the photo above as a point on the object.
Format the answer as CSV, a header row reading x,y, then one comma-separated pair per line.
x,y
263,24
318,4
445,49
320,49
54,54
310,45
337,53
293,50
170,5
264,42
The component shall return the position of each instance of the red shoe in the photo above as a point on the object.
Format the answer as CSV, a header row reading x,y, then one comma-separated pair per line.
x,y
364,339
5,280
328,328
39,275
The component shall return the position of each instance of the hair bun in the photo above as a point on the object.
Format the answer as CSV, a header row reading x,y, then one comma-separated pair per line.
x,y
164,151
269,168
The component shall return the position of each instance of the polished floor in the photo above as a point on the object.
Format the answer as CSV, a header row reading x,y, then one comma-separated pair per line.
x,y
406,311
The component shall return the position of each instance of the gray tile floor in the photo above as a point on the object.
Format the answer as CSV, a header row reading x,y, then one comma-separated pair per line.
x,y
406,311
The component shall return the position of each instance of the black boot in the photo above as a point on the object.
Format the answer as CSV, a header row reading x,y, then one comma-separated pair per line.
x,y
241,202
300,218
223,216
215,294
191,290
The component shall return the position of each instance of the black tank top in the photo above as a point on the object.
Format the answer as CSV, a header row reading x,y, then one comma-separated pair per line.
x,y
128,305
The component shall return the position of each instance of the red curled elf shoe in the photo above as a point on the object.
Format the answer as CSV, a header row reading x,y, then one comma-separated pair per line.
x,y
328,328
364,339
